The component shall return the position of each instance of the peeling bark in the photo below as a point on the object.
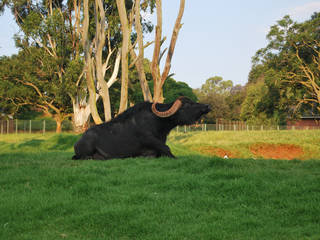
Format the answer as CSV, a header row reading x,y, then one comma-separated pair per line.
x,y
81,113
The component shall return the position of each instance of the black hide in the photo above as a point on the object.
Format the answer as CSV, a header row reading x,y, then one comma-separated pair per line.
x,y
136,132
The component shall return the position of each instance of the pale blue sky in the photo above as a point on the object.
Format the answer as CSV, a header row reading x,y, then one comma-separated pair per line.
x,y
217,37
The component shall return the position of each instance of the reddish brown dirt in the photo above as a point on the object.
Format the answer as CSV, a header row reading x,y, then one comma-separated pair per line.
x,y
213,151
277,151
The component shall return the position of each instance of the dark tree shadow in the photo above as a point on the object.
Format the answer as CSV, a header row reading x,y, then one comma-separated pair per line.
x,y
63,142
31,143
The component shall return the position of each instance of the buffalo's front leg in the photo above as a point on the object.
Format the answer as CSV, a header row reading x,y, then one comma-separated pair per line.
x,y
161,148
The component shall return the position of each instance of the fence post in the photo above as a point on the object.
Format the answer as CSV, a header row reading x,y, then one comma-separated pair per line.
x,y
29,126
44,127
205,127
261,127
234,127
8,126
185,128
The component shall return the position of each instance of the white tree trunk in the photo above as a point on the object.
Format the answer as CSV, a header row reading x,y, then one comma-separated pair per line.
x,y
81,113
125,28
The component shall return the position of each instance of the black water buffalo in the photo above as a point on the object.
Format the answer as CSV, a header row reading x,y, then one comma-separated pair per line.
x,y
141,130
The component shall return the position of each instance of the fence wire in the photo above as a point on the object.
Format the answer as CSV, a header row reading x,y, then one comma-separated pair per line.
x,y
242,127
42,126
32,126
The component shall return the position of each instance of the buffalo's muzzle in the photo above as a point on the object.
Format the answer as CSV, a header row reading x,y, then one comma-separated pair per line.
x,y
206,108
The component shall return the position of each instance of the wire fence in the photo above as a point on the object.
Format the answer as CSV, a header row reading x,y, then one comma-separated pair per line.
x,y
43,126
32,126
242,127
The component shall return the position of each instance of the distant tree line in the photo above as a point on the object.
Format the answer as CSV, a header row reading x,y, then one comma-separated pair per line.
x,y
284,81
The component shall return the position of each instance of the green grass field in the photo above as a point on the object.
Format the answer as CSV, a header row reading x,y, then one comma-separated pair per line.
x,y
45,195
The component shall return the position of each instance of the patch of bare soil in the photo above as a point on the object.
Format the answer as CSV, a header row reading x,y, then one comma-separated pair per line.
x,y
213,151
277,151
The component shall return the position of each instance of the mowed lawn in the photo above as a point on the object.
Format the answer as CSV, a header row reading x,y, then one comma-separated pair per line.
x,y
46,195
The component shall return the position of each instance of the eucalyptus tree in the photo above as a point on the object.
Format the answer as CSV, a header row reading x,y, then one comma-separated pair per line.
x,y
50,26
47,27
133,18
65,30
159,78
126,30
101,44
105,41
129,15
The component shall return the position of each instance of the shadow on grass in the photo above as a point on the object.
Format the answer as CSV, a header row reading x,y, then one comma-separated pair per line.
x,y
31,143
34,143
4,144
63,142
180,137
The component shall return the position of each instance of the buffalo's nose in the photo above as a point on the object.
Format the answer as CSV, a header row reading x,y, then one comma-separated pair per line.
x,y
207,107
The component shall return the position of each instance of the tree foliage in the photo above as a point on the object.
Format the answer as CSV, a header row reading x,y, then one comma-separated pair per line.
x,y
217,85
172,89
47,39
26,81
224,98
289,66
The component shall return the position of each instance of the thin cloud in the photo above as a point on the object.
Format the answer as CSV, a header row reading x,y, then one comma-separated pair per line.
x,y
305,11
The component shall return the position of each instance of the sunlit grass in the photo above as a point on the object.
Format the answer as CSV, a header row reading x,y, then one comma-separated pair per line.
x,y
240,141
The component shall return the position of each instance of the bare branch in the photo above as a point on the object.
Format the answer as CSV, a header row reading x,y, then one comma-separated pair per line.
x,y
157,40
174,37
46,48
105,66
53,45
79,78
113,77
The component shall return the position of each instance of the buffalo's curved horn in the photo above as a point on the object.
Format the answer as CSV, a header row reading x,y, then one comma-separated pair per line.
x,y
174,108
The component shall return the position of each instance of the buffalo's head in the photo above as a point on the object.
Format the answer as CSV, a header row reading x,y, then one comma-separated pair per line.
x,y
184,111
